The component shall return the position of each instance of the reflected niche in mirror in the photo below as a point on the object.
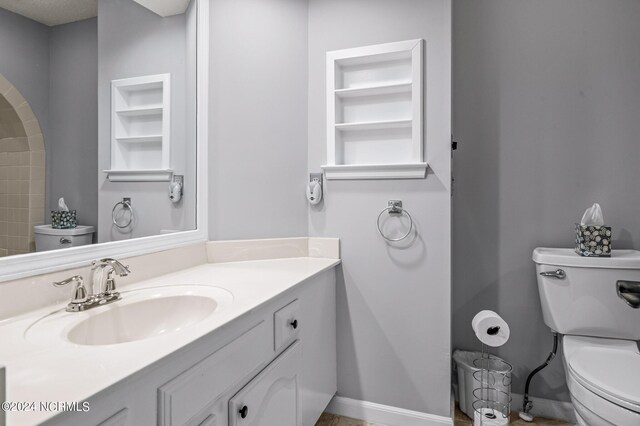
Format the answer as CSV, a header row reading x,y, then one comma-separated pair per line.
x,y
101,113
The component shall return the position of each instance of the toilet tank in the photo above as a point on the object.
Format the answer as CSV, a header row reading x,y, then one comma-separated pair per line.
x,y
48,238
586,301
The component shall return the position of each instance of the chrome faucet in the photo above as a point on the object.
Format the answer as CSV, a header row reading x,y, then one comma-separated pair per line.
x,y
118,268
106,293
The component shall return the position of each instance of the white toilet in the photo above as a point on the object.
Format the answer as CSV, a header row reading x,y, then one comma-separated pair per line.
x,y
48,238
590,301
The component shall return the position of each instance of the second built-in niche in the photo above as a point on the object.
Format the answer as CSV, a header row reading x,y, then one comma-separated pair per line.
x,y
374,112
140,129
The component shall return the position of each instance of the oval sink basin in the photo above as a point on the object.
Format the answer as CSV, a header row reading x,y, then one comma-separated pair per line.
x,y
141,320
140,315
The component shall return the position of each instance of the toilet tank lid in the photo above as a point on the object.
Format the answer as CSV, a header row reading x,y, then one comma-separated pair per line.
x,y
620,259
78,230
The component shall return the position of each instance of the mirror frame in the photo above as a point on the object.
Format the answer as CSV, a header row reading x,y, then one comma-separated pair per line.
x,y
25,265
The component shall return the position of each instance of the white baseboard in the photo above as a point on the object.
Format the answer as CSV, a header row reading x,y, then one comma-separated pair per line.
x,y
548,408
383,414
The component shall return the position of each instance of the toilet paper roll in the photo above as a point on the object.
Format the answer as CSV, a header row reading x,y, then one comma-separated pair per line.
x,y
490,328
489,417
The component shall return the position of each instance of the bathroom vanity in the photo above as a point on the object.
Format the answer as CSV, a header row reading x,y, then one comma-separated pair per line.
x,y
234,343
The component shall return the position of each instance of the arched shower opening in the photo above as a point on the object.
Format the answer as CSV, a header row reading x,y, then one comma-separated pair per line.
x,y
22,172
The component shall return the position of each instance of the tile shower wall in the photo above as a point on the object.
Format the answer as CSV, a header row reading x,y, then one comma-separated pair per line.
x,y
21,200
14,203
21,183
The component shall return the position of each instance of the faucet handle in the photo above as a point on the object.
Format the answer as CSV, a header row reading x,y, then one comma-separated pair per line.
x,y
110,285
80,292
120,269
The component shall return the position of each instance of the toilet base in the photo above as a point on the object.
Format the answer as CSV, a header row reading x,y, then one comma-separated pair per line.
x,y
586,417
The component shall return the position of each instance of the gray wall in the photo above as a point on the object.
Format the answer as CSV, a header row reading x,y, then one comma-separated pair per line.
x,y
394,308
73,115
55,69
132,42
24,61
546,106
258,119
393,301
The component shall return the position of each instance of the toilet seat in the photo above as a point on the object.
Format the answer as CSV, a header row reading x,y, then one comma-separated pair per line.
x,y
609,368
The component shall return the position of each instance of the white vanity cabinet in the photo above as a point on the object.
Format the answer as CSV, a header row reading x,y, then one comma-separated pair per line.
x,y
276,365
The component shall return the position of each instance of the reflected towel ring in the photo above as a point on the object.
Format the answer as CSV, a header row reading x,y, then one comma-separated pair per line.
x,y
395,206
126,204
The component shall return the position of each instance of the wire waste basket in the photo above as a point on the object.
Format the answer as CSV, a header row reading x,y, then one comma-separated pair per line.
x,y
492,396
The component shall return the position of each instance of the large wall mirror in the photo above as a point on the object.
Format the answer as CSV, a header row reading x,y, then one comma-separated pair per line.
x,y
99,129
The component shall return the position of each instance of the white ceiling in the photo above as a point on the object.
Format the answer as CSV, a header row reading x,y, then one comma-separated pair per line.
x,y
53,12
58,12
165,8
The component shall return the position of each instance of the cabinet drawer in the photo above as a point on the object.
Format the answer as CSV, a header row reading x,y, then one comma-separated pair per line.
x,y
272,398
286,324
191,391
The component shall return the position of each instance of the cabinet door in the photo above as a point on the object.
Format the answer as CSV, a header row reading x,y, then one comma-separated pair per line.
x,y
198,387
272,398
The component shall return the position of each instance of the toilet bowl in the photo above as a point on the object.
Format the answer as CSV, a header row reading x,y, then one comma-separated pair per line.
x,y
48,238
603,376
583,300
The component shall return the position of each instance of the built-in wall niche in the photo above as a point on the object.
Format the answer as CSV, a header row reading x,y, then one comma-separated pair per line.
x,y
140,129
374,112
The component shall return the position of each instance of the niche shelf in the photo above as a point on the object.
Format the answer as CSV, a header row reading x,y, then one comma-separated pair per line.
x,y
140,129
374,112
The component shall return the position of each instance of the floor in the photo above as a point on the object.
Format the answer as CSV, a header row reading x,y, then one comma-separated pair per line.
x,y
460,420
332,420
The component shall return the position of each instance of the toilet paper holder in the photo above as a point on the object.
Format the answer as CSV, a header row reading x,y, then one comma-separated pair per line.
x,y
492,395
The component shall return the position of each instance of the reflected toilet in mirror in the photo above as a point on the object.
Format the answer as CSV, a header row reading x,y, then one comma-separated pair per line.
x,y
49,238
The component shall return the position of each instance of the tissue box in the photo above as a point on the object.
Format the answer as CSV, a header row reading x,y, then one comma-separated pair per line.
x,y
63,220
593,240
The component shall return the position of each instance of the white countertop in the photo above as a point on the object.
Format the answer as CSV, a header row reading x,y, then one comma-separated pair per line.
x,y
58,370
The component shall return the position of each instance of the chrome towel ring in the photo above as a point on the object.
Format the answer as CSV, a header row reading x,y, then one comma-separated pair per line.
x,y
394,207
126,205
